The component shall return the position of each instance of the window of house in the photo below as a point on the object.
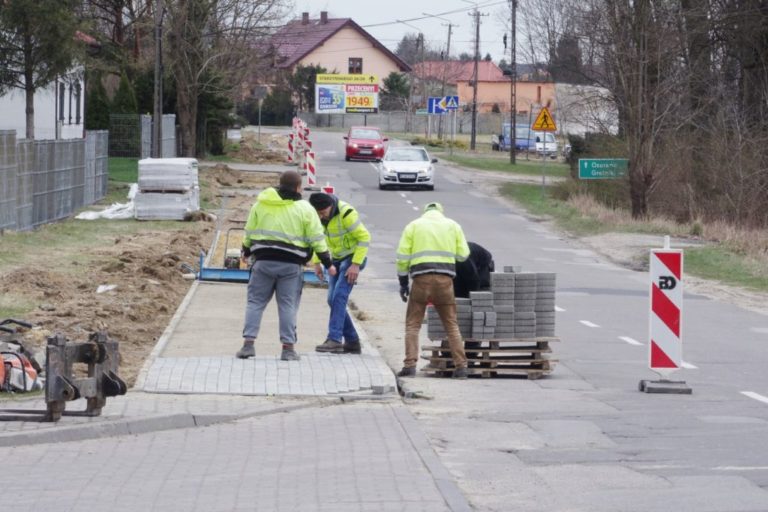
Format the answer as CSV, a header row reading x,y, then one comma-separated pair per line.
x,y
355,66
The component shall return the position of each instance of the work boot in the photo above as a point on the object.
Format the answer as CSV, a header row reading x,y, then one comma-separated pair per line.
x,y
247,351
289,354
353,348
460,373
331,347
407,372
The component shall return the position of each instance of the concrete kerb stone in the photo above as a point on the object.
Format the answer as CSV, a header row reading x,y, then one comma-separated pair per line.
x,y
445,483
110,427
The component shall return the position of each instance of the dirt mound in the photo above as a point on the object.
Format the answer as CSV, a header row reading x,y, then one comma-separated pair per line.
x,y
271,152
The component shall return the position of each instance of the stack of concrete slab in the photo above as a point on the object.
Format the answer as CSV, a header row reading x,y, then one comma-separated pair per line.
x,y
511,327
168,188
545,304
435,329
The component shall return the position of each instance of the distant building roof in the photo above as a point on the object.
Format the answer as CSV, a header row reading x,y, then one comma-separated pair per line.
x,y
298,38
460,71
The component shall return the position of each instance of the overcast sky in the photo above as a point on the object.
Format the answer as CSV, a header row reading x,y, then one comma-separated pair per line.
x,y
380,19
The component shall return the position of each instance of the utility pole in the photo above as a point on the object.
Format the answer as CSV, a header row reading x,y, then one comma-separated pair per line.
x,y
513,87
473,136
442,88
157,114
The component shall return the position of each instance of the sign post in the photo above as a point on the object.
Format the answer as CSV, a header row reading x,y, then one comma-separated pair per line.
x,y
665,343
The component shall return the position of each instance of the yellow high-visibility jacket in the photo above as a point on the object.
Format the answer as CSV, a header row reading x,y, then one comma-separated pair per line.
x,y
346,234
432,243
283,225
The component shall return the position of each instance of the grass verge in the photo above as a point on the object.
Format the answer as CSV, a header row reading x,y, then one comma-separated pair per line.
x,y
495,162
733,261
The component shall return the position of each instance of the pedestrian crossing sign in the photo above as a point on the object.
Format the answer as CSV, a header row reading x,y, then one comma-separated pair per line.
x,y
544,122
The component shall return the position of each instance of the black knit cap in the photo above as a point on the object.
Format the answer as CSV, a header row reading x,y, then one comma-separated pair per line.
x,y
320,200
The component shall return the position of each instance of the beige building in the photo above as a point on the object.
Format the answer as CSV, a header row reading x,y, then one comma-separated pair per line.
x,y
338,44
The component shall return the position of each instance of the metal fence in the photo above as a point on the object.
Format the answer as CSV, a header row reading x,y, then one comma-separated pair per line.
x,y
44,181
401,121
168,143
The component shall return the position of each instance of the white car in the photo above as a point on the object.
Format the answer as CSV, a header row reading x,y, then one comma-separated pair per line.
x,y
407,166
549,149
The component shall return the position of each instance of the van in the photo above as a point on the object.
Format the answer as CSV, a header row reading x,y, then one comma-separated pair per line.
x,y
542,143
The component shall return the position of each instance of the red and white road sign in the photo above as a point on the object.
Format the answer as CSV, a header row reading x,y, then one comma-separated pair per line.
x,y
328,188
665,354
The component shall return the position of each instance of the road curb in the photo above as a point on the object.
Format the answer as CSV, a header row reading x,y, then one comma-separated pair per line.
x,y
135,426
445,483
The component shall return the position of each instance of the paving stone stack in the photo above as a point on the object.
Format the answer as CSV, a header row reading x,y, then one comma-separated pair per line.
x,y
483,316
545,304
435,330
168,188
509,329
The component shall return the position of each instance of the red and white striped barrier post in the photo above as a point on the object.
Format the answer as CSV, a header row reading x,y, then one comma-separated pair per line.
x,y
665,343
311,171
290,149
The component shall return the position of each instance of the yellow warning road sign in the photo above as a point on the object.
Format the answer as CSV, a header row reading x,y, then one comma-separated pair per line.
x,y
544,122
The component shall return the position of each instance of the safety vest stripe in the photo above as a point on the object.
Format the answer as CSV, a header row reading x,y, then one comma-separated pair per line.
x,y
433,271
342,231
266,245
363,244
280,234
422,254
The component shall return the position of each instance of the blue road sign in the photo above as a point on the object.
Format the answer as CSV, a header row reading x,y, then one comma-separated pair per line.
x,y
442,104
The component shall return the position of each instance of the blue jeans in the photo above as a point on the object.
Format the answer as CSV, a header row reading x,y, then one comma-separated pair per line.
x,y
340,325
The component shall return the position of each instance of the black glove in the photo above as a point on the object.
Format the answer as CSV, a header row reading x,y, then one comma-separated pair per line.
x,y
245,252
403,287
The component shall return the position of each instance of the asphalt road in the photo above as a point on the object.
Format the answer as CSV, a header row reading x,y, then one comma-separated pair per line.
x,y
712,445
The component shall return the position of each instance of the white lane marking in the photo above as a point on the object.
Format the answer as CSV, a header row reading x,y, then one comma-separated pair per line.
x,y
588,323
409,201
688,366
559,309
755,396
402,194
761,330
416,208
629,340
740,468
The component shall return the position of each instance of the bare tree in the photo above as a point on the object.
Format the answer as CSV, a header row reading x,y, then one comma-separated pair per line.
x,y
212,47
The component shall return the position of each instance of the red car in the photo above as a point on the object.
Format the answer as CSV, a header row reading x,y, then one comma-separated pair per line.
x,y
364,143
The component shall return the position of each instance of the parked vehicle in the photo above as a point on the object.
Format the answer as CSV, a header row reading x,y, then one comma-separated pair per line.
x,y
526,140
409,166
364,143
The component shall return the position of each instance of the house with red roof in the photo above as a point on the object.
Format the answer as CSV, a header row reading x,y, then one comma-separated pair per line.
x,y
338,44
493,86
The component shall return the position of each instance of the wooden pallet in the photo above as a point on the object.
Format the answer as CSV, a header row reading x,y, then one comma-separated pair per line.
x,y
495,357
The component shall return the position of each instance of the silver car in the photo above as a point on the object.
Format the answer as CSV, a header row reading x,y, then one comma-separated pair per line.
x,y
407,166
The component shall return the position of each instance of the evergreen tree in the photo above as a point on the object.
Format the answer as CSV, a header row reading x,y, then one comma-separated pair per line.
x,y
124,101
96,104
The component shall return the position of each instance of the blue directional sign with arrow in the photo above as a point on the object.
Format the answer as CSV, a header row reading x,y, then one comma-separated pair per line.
x,y
442,104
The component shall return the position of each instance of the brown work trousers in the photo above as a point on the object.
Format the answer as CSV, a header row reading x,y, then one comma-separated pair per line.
x,y
438,289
